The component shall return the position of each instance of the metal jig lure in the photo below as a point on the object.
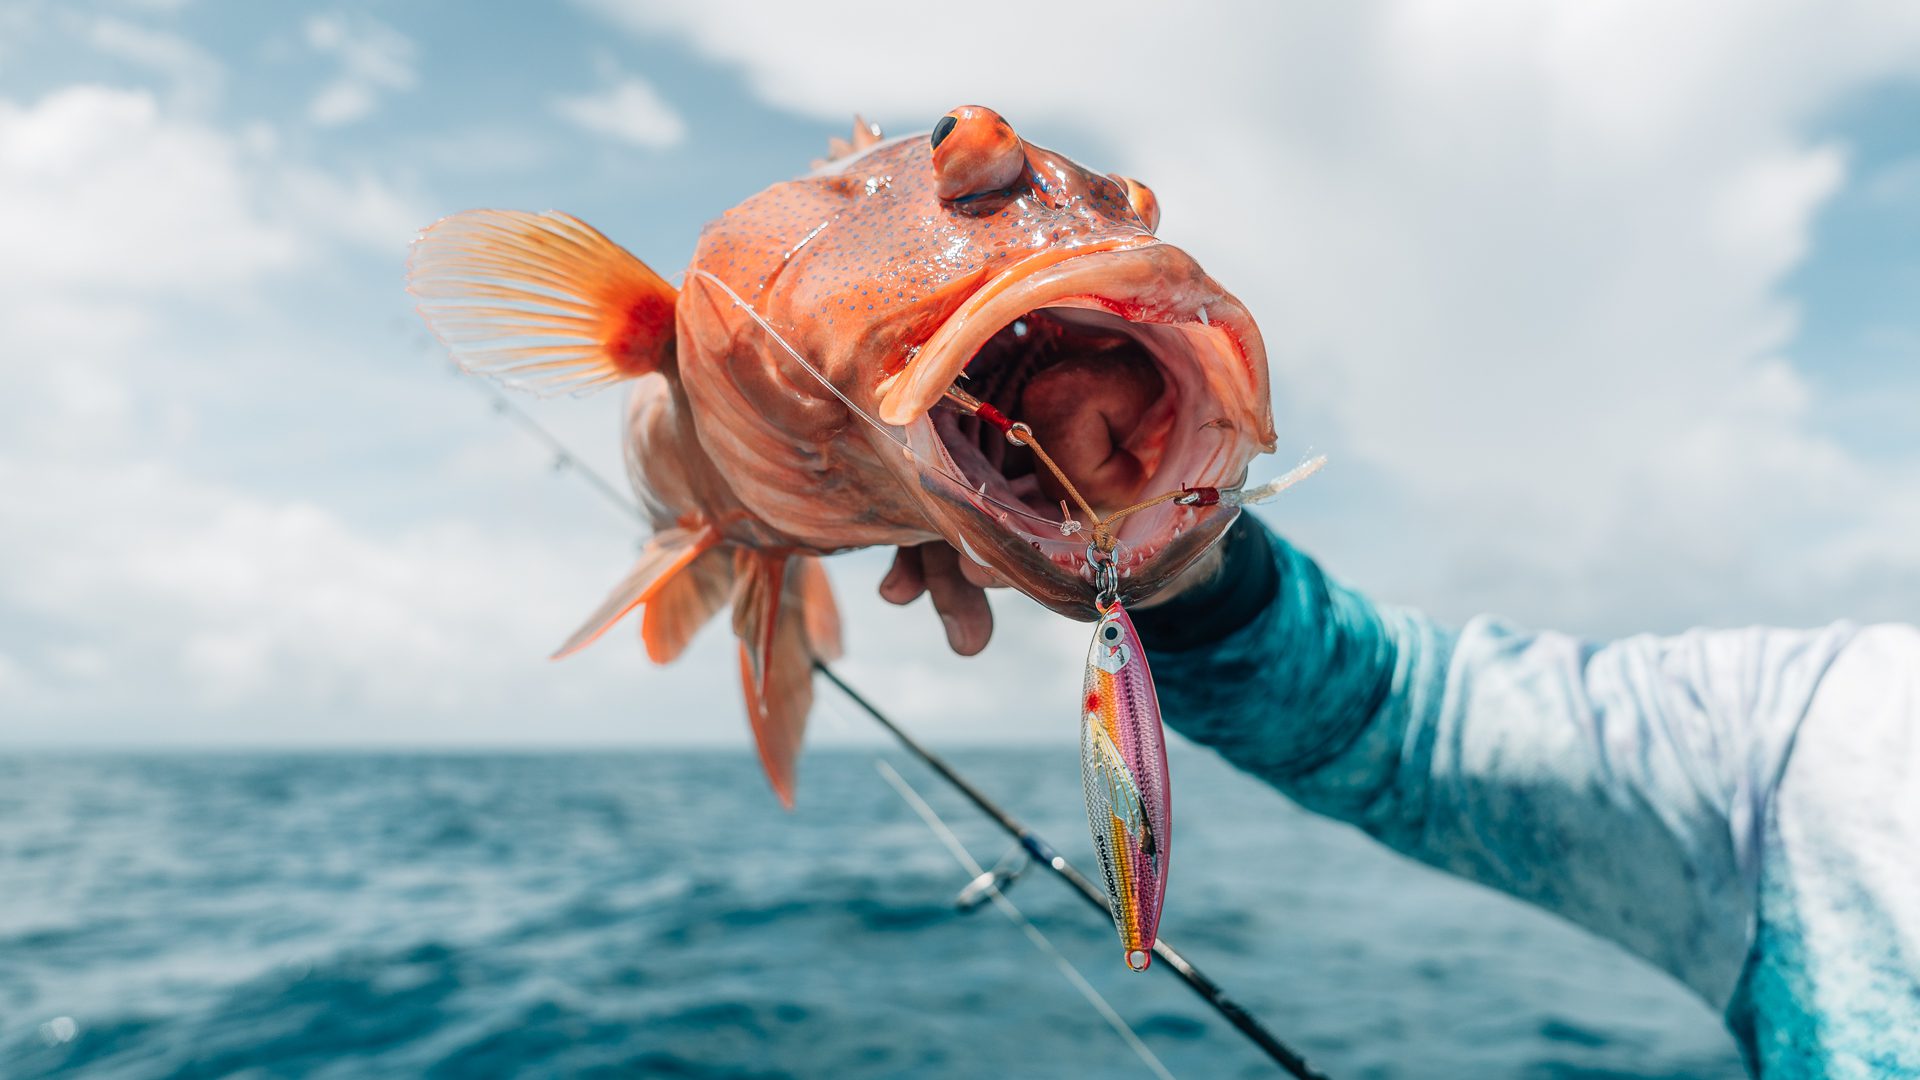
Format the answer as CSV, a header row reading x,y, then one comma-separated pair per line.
x,y
1123,767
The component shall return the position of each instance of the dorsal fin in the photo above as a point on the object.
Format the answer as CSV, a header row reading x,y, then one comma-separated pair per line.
x,y
865,134
541,300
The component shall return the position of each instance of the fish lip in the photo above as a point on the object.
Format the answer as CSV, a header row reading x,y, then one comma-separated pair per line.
x,y
1082,276
1226,357
909,393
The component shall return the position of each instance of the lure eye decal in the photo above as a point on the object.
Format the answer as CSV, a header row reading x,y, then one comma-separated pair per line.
x,y
1111,649
1143,201
975,153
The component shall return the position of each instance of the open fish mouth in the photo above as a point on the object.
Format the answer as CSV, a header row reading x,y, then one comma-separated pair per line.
x,y
1133,310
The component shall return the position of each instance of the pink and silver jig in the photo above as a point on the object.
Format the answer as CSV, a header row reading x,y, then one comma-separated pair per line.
x,y
1123,767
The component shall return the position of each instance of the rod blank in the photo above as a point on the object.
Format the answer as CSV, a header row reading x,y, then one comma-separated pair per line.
x,y
1043,853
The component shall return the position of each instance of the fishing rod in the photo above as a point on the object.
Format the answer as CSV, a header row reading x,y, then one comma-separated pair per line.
x,y
990,886
1031,842
1044,854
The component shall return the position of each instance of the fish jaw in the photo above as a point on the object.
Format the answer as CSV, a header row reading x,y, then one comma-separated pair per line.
x,y
1208,351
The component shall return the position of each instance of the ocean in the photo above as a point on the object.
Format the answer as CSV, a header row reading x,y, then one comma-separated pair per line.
x,y
648,913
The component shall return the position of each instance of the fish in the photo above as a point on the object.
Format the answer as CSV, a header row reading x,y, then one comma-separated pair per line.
x,y
1123,768
786,397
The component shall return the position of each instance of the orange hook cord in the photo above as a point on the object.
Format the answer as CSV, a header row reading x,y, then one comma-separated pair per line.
x,y
1020,434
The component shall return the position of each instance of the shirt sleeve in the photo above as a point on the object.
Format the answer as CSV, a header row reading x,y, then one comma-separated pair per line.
x,y
1615,784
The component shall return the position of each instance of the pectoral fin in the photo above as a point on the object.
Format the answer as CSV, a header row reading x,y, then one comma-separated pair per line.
x,y
541,300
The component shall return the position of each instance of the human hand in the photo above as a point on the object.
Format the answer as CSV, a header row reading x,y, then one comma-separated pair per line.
x,y
958,586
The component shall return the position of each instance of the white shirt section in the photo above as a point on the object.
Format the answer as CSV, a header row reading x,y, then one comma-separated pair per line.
x,y
1624,785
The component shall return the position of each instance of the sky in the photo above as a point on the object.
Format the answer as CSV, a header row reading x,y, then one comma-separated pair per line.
x,y
1604,315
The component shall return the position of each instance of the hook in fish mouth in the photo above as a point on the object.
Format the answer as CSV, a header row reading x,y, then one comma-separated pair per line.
x,y
1139,308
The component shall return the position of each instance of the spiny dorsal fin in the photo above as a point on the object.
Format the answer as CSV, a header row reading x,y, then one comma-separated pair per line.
x,y
541,300
865,134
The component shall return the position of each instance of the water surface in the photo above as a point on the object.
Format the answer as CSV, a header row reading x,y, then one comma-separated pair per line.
x,y
655,914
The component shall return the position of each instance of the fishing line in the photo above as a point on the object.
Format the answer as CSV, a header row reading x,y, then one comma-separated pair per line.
x,y
1035,846
1019,918
1043,853
562,457
1021,434
886,431
985,886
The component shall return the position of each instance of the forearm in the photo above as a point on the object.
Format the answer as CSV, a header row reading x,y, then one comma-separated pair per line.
x,y
1300,681
1605,782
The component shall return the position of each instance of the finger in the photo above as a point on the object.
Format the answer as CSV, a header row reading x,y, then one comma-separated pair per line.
x,y
904,581
962,606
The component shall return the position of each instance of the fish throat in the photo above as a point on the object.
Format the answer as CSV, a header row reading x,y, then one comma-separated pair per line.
x,y
1104,394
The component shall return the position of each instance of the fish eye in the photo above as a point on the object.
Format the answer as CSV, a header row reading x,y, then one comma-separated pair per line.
x,y
1142,199
944,128
1111,633
975,153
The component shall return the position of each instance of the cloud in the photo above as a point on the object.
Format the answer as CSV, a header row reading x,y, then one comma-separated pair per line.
x,y
195,76
374,58
1521,272
1520,269
631,111
362,210
99,190
223,601
1897,185
140,243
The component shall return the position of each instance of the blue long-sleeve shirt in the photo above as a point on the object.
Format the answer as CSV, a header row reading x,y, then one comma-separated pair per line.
x,y
1737,807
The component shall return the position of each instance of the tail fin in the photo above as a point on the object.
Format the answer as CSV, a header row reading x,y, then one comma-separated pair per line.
x,y
784,615
541,300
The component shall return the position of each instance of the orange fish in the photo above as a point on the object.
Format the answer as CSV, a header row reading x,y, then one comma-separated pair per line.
x,y
784,398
